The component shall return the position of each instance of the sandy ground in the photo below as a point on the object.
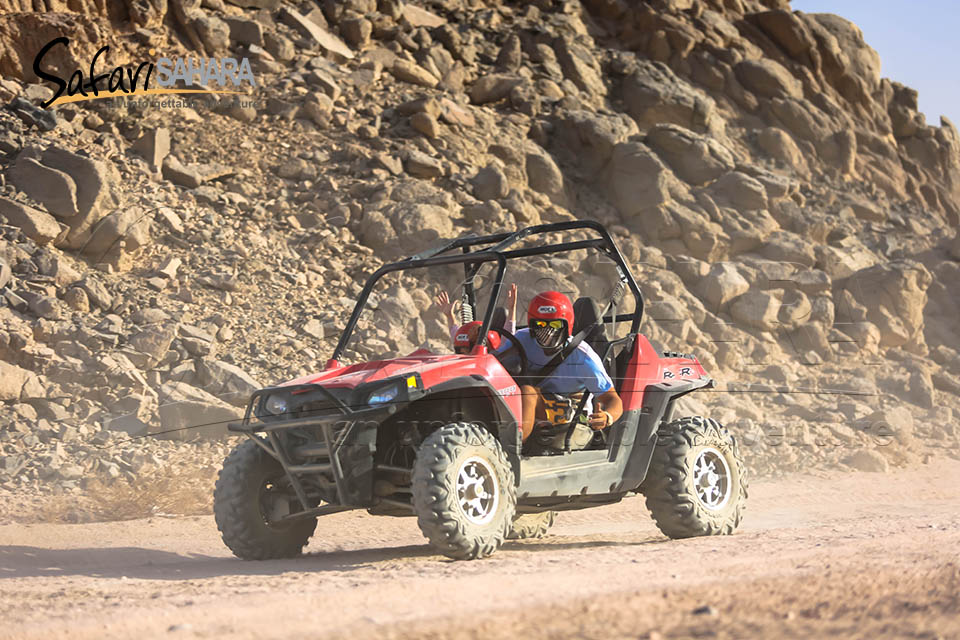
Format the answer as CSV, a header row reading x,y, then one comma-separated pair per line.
x,y
857,555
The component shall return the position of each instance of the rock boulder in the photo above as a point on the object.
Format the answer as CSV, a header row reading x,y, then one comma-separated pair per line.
x,y
697,159
653,95
896,290
188,413
638,180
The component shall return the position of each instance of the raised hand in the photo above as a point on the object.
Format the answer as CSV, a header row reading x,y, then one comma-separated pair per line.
x,y
442,300
447,308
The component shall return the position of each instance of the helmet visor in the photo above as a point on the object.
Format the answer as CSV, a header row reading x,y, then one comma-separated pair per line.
x,y
548,333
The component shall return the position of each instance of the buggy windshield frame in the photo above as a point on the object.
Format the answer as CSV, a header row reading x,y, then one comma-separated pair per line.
x,y
478,250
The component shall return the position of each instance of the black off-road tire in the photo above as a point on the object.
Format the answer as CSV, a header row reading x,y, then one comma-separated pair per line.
x,y
238,513
436,501
529,526
669,487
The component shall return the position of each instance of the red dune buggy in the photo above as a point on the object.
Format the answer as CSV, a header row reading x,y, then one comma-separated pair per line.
x,y
436,435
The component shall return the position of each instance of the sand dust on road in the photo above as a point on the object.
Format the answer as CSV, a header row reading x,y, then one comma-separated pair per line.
x,y
855,555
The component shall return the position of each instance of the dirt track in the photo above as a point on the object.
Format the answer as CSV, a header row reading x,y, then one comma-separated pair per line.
x,y
863,555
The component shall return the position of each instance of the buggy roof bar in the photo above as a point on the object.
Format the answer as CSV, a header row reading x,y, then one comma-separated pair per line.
x,y
508,238
499,253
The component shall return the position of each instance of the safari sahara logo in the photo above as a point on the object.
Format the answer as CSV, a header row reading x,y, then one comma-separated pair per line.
x,y
227,73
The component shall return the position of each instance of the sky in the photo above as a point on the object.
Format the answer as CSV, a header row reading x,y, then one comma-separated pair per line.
x,y
918,42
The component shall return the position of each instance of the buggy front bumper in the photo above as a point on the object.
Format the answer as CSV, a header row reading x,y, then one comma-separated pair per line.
x,y
331,447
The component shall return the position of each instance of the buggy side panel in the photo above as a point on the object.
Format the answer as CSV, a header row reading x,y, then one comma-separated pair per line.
x,y
620,468
657,407
646,368
562,481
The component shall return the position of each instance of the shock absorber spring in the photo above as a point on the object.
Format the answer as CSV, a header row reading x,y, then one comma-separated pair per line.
x,y
466,310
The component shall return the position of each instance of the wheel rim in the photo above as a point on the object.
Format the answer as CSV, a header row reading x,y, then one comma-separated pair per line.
x,y
478,492
711,479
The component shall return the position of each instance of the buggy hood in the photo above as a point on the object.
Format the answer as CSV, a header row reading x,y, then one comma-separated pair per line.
x,y
432,368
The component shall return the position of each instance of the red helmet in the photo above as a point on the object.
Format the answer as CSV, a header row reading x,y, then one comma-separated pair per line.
x,y
466,337
551,305
544,308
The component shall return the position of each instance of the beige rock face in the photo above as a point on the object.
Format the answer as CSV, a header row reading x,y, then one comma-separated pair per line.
x,y
5,272
591,138
413,73
13,379
891,421
375,231
638,179
129,226
490,183
86,24
769,79
154,342
789,247
788,31
894,293
955,247
779,145
310,29
226,381
421,17
37,225
862,60
493,87
96,182
422,224
722,284
581,68
839,262
544,176
867,460
654,94
740,191
188,413
54,189
758,309
154,146
696,159
801,118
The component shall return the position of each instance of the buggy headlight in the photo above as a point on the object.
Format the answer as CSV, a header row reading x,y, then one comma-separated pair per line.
x,y
384,395
276,404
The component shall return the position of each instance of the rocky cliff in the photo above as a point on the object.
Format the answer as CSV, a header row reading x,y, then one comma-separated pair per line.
x,y
791,216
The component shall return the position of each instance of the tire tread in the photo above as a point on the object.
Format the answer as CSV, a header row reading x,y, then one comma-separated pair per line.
x,y
670,499
438,517
241,532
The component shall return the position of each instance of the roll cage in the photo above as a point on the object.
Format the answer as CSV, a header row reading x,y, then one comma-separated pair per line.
x,y
477,250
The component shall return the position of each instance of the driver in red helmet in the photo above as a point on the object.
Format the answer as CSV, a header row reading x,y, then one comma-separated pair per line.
x,y
549,328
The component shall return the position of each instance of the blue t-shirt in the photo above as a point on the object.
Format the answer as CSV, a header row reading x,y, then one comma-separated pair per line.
x,y
581,370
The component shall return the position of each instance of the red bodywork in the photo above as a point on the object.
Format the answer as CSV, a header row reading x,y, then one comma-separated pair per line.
x,y
433,369
645,367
